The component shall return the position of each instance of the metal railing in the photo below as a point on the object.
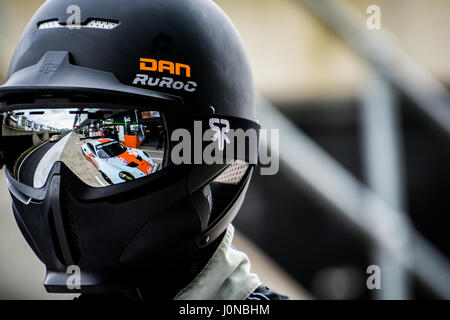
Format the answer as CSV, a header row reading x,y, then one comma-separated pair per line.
x,y
314,171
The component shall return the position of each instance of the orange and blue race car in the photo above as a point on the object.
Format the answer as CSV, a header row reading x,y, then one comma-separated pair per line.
x,y
117,163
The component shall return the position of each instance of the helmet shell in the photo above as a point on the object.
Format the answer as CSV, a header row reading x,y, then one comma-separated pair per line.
x,y
170,36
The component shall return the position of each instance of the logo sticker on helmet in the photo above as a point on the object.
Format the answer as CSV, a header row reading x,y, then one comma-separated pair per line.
x,y
220,132
163,66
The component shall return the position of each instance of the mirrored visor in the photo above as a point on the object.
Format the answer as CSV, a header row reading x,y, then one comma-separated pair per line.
x,y
102,147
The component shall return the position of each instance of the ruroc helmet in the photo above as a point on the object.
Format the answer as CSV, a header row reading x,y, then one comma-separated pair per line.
x,y
93,96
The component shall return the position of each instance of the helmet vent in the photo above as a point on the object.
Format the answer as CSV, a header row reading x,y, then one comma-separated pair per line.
x,y
233,174
92,24
50,25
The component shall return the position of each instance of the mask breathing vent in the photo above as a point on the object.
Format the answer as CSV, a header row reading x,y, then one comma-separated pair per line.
x,y
233,174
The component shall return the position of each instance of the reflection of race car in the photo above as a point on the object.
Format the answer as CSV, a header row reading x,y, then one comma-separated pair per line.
x,y
117,163
55,138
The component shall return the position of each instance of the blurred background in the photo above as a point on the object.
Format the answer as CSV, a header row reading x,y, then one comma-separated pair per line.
x,y
364,119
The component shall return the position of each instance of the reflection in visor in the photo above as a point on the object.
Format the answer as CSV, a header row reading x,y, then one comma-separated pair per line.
x,y
100,146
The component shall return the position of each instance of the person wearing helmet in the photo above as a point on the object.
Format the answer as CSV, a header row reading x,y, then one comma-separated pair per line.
x,y
122,210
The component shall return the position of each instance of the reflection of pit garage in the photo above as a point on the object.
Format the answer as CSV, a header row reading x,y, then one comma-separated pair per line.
x,y
74,159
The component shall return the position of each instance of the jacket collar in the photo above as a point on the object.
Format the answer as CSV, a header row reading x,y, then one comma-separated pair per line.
x,y
226,276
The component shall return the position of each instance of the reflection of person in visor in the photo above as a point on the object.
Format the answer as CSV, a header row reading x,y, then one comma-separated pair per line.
x,y
107,196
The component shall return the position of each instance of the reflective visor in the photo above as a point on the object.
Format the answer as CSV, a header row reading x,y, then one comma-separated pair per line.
x,y
100,146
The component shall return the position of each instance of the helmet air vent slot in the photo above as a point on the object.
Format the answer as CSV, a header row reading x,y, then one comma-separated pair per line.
x,y
91,23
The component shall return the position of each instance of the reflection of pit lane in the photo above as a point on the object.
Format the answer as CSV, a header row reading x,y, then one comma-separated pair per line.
x,y
74,159
35,167
48,160
29,164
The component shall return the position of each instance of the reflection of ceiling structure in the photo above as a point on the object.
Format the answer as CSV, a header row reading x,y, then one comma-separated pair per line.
x,y
90,117
20,121
103,117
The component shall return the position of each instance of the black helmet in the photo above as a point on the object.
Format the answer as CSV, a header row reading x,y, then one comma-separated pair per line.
x,y
91,104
